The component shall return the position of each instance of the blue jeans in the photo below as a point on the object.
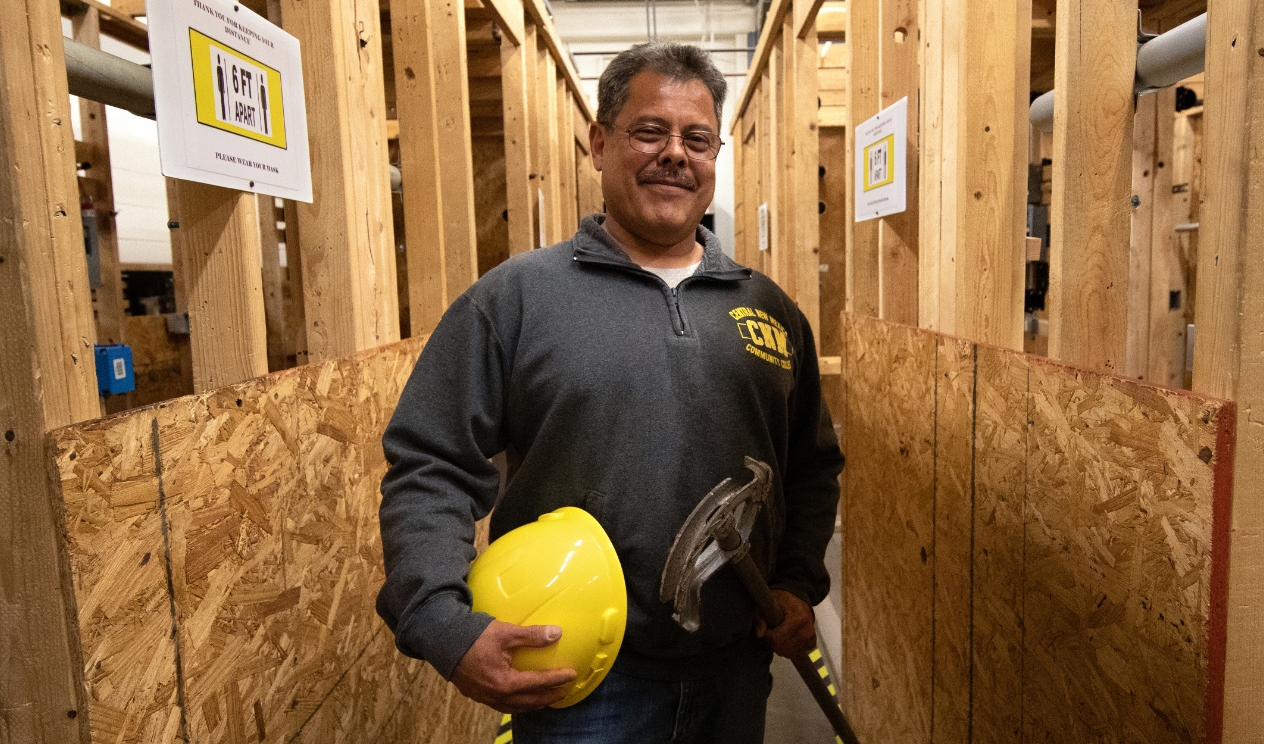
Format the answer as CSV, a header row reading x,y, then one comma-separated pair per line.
x,y
623,709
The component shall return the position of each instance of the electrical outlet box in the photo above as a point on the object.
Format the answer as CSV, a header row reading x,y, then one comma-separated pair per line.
x,y
114,369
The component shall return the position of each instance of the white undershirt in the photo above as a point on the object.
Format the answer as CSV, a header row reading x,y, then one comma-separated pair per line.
x,y
673,276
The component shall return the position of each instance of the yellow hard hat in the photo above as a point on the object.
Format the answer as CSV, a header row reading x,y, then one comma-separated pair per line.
x,y
561,570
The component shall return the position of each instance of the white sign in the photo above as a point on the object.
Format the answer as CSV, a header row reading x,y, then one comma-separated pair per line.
x,y
228,89
881,150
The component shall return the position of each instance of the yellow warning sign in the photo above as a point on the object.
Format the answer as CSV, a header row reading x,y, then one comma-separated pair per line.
x,y
236,93
878,156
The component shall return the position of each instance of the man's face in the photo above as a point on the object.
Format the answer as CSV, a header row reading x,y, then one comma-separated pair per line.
x,y
659,198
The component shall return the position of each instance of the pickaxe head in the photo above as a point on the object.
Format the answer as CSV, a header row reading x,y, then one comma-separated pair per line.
x,y
728,510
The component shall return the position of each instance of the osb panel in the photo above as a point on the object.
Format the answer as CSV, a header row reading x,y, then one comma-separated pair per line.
x,y
890,518
258,508
1119,545
1074,575
1000,454
954,421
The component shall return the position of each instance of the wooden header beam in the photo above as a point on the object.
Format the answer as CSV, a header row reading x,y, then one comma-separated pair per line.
x,y
548,34
772,30
113,23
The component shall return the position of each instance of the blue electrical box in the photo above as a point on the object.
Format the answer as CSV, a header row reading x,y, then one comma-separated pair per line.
x,y
114,369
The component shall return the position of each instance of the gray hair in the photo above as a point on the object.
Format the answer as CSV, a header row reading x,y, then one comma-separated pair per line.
x,y
683,62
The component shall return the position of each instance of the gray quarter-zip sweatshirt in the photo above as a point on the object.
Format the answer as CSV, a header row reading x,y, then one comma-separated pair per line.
x,y
610,391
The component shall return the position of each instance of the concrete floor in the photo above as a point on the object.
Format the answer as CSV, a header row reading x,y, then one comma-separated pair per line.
x,y
793,716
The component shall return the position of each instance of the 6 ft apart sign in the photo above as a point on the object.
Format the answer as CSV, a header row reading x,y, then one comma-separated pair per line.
x,y
881,153
228,88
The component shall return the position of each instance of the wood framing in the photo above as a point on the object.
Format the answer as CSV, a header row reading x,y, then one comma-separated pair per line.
x,y
216,233
1229,338
805,166
270,239
350,298
897,47
550,146
1092,179
863,275
1168,290
1036,503
47,375
44,226
99,187
973,194
520,195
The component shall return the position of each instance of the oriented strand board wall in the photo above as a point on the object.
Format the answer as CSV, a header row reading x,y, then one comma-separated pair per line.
x,y
1032,553
225,556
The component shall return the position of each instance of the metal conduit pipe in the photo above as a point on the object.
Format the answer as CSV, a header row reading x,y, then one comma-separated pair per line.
x,y
102,77
1163,61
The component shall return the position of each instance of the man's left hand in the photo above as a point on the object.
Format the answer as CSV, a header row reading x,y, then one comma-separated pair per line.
x,y
797,632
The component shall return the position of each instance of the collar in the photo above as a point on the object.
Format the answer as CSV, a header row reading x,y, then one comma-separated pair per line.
x,y
593,245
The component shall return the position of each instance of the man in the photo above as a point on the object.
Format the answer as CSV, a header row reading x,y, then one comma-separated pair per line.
x,y
626,371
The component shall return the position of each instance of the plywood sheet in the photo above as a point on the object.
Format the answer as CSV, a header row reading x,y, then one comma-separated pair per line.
x,y
1122,489
890,411
1079,534
955,387
226,555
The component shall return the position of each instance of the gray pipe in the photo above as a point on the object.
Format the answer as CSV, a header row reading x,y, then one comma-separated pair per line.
x,y
1168,59
1042,112
1162,61
104,78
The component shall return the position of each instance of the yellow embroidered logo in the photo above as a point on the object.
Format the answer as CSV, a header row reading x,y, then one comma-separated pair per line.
x,y
766,338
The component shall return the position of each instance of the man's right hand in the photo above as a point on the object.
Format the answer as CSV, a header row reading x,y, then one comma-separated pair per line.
x,y
486,674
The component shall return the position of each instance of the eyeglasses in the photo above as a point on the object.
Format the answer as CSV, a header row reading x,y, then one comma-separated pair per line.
x,y
652,140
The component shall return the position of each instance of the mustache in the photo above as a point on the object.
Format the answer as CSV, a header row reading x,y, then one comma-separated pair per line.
x,y
669,176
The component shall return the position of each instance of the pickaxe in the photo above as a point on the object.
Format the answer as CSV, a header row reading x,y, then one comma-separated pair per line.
x,y
718,532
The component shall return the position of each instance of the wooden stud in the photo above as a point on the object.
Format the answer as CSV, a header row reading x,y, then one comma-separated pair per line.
x,y
834,191
47,376
1144,158
536,53
937,183
567,198
897,47
218,241
807,160
973,190
295,315
1092,174
741,196
551,141
1166,323
270,263
95,136
774,171
992,152
782,203
45,218
351,301
419,163
518,177
1229,339
863,96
